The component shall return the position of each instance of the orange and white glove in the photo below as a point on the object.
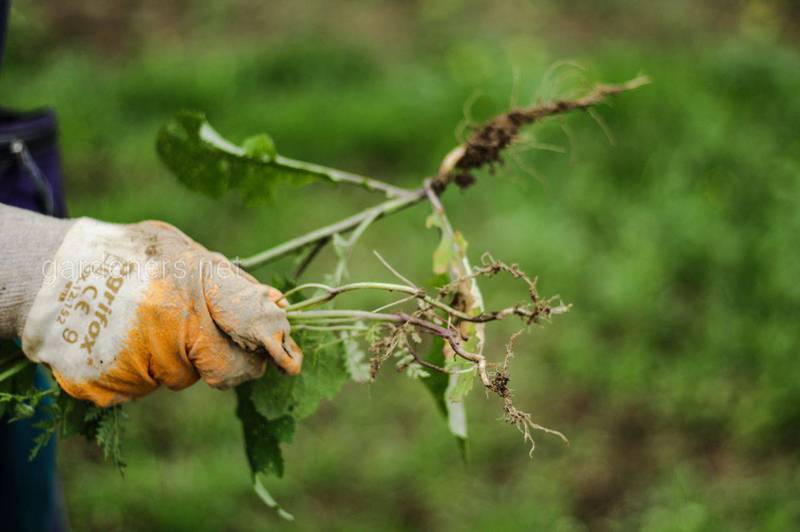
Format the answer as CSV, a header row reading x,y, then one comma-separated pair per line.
x,y
123,309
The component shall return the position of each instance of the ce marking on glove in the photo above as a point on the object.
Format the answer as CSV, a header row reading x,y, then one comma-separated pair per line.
x,y
90,298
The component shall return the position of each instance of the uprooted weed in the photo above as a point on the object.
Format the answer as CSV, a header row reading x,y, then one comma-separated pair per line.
x,y
401,338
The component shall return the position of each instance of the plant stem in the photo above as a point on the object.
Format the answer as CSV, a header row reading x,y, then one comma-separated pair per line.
x,y
329,328
325,315
340,176
346,248
332,292
312,253
14,369
291,246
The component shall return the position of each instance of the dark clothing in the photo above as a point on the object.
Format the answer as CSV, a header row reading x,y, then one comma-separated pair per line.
x,y
30,178
30,497
30,167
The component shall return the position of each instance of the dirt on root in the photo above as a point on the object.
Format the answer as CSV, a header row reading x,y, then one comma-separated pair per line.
x,y
485,146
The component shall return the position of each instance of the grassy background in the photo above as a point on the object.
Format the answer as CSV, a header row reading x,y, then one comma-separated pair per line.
x,y
675,375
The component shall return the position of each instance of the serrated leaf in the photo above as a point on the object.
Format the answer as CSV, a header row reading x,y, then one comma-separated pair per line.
x,y
108,434
262,437
268,407
272,394
205,161
324,372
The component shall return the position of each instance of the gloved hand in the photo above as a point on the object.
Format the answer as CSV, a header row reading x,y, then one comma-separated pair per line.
x,y
125,308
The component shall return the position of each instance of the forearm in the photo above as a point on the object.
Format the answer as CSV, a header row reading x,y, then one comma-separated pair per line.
x,y
27,241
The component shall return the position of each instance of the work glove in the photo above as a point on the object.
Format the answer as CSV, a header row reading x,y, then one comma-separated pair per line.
x,y
122,309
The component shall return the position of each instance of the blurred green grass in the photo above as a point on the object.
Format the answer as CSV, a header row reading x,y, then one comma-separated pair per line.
x,y
675,375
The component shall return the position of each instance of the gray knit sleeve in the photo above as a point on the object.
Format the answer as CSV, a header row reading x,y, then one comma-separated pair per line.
x,y
27,241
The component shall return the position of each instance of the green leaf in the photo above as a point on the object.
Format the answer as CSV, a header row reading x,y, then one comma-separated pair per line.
x,y
206,162
463,372
19,395
268,407
74,415
451,258
324,371
273,394
65,416
438,384
356,360
262,437
450,263
444,253
70,417
462,378
108,432
436,381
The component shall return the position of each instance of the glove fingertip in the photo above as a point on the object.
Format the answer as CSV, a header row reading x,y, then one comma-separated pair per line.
x,y
285,352
277,297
